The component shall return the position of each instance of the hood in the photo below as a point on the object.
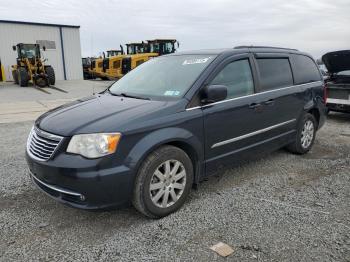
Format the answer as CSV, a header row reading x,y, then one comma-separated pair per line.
x,y
101,113
337,61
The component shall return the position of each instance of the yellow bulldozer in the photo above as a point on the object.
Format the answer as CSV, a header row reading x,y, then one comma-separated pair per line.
x,y
30,67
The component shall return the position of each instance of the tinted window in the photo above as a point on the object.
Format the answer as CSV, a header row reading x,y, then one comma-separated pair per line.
x,y
237,76
305,70
274,73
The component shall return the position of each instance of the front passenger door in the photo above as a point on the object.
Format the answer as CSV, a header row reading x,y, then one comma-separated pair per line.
x,y
226,123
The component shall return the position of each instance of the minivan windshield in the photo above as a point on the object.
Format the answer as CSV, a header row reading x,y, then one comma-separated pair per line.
x,y
162,78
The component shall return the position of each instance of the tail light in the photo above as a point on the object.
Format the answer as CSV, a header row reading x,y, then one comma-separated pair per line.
x,y
325,93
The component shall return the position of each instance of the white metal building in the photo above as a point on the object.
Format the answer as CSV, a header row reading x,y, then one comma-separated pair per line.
x,y
62,44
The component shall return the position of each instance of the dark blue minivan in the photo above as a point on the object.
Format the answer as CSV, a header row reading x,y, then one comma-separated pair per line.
x,y
171,122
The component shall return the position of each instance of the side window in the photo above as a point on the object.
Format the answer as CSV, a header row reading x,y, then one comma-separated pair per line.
x,y
237,76
305,70
274,73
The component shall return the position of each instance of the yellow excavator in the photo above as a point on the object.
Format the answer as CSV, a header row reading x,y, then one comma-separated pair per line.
x,y
30,67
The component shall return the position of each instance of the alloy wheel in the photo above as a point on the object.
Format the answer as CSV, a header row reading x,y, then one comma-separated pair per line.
x,y
167,183
307,134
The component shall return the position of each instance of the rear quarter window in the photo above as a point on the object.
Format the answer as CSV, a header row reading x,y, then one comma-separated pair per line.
x,y
305,70
274,73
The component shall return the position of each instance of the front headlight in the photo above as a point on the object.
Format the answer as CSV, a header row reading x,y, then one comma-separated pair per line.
x,y
94,145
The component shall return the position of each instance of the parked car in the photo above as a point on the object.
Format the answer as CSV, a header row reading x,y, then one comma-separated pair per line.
x,y
338,82
173,121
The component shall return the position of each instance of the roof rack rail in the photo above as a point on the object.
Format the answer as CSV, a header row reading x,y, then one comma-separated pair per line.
x,y
272,47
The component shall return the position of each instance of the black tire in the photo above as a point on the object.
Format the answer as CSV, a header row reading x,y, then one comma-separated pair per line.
x,y
41,82
86,76
23,77
142,195
15,76
297,146
50,75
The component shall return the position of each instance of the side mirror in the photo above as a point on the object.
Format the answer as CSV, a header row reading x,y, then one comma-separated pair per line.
x,y
214,93
44,48
14,48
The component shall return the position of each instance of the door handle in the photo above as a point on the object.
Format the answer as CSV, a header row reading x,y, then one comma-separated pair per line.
x,y
254,105
269,102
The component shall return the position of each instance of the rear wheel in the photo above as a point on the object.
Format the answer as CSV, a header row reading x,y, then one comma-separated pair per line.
x,y
50,75
305,136
15,76
163,182
23,77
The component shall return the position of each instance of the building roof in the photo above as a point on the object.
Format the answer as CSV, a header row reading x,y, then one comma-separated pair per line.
x,y
39,24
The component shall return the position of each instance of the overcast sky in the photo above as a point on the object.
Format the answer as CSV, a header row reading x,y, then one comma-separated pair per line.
x,y
314,26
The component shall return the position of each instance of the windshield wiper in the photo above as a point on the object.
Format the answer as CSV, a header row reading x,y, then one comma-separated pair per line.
x,y
132,96
109,91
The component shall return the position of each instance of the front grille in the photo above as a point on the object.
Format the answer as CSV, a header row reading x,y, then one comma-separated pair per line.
x,y
42,145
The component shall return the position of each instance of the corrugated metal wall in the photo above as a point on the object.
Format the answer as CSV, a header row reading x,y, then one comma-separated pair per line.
x,y
71,44
11,34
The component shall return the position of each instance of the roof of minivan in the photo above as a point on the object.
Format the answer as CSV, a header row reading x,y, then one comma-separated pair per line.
x,y
239,50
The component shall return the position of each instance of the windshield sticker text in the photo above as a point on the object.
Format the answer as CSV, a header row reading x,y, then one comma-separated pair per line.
x,y
171,93
195,61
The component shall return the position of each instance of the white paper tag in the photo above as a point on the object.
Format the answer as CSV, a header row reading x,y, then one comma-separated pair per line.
x,y
172,93
195,61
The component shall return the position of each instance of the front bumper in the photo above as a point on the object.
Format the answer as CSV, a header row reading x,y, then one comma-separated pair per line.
x,y
87,186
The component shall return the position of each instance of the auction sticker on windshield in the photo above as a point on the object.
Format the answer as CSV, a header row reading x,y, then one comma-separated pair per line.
x,y
171,93
196,61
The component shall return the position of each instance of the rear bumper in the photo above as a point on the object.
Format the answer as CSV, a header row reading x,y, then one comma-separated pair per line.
x,y
339,105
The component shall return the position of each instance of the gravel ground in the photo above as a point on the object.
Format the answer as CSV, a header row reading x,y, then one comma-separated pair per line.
x,y
280,208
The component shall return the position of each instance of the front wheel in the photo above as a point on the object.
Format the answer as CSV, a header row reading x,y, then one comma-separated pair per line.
x,y
15,76
50,75
163,182
23,76
305,135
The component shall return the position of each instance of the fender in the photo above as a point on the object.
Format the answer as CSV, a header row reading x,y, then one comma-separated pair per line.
x,y
163,136
309,105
